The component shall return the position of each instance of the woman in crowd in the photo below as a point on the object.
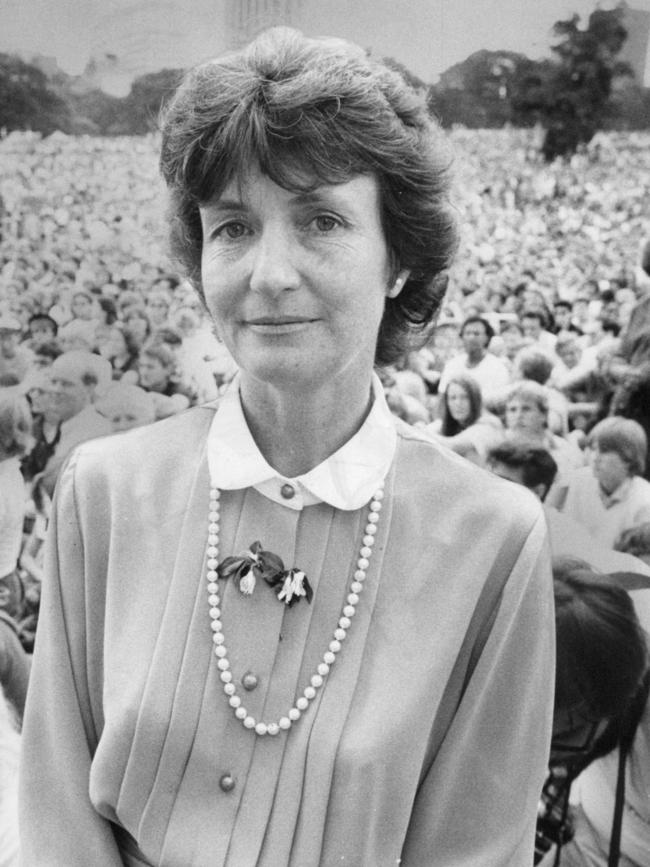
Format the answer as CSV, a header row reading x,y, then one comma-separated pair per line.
x,y
15,441
610,496
121,350
464,426
601,727
264,637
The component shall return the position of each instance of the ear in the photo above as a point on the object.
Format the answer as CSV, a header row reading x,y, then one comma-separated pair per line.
x,y
397,286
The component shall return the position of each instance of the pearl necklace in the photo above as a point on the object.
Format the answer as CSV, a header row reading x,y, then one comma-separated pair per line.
x,y
329,657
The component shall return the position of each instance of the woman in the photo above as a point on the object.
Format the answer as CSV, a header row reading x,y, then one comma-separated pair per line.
x,y
611,496
464,427
601,730
197,713
15,440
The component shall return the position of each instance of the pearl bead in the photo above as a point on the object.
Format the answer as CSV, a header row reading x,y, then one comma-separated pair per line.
x,y
226,783
249,680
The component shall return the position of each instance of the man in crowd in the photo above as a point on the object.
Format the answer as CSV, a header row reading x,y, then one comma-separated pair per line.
x,y
15,360
489,371
75,379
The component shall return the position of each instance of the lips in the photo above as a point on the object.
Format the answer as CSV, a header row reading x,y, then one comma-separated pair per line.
x,y
279,320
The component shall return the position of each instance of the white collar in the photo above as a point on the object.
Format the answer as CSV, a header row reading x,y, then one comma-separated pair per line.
x,y
346,479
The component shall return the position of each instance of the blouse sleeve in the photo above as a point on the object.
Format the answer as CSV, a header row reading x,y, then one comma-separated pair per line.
x,y
492,762
58,824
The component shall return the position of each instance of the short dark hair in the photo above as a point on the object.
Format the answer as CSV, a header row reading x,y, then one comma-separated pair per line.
x,y
534,364
43,317
602,651
535,314
308,112
471,320
537,465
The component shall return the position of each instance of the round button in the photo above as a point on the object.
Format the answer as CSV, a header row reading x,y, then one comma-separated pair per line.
x,y
287,491
227,783
249,681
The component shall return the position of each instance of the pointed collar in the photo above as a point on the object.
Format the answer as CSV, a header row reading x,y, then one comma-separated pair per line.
x,y
346,480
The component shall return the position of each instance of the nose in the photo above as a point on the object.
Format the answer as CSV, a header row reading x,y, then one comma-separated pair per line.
x,y
273,268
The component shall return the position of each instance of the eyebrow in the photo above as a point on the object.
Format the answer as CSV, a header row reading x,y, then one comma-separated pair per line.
x,y
306,197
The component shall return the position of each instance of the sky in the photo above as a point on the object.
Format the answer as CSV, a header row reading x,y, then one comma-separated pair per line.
x,y
428,36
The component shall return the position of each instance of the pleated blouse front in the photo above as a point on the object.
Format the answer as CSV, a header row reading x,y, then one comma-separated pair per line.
x,y
439,667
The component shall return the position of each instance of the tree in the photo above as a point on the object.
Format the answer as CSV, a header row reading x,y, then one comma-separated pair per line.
x,y
26,99
576,94
148,95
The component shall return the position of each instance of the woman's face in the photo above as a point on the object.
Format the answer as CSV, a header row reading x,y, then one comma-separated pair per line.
x,y
609,468
458,403
525,417
296,282
82,307
153,374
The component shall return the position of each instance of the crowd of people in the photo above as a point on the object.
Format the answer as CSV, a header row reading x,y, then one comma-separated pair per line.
x,y
535,371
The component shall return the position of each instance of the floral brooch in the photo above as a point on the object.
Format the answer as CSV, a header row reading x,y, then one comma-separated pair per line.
x,y
290,585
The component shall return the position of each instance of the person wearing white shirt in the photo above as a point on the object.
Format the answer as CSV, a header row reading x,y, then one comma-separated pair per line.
x,y
490,372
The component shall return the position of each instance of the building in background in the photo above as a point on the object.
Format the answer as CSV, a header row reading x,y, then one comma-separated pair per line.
x,y
246,18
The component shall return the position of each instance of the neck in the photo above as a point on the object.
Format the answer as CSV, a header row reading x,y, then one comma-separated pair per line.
x,y
475,357
297,429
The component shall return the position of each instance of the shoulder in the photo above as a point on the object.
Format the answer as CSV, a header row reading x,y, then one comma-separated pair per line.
x,y
432,477
163,446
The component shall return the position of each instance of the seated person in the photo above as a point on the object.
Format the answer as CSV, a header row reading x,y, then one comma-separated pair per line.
x,y
600,754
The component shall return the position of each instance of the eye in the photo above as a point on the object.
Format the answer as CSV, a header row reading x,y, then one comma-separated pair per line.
x,y
232,230
326,223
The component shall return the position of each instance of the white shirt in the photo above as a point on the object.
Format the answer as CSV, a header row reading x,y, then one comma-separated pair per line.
x,y
346,480
491,373
606,518
12,514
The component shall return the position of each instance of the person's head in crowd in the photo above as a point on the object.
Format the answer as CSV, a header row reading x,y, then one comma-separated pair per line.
x,y
76,377
186,320
527,407
10,334
533,323
461,405
16,423
601,656
42,327
203,153
476,333
126,406
136,324
619,450
635,541
562,314
171,336
37,387
512,336
45,353
530,466
112,292
158,305
609,308
117,345
156,366
568,349
78,334
107,311
496,299
82,305
127,299
581,313
534,364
